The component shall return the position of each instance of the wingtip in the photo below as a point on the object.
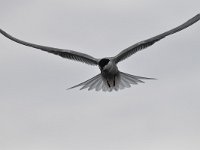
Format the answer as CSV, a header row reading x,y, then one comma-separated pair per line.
x,y
71,88
68,89
152,79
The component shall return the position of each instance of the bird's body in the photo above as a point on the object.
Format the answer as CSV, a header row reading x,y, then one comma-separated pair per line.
x,y
109,72
110,78
109,69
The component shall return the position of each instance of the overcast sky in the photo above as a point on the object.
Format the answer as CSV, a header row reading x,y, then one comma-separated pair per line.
x,y
38,113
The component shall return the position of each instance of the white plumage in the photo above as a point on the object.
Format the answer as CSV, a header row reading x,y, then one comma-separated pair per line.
x,y
110,77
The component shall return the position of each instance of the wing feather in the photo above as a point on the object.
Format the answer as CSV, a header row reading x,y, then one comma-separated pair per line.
x,y
146,43
69,54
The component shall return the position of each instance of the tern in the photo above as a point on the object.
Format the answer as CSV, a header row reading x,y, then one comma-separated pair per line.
x,y
110,78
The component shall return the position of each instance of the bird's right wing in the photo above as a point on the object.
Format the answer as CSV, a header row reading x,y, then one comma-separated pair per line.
x,y
146,43
69,54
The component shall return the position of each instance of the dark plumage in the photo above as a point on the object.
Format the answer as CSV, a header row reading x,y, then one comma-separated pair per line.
x,y
103,62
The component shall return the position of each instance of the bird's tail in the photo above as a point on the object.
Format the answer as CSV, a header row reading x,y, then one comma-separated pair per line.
x,y
127,79
122,80
94,83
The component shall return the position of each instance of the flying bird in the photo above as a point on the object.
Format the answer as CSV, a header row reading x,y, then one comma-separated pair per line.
x,y
110,78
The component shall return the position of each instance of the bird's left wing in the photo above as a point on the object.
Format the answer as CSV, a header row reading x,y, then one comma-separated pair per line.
x,y
146,43
69,54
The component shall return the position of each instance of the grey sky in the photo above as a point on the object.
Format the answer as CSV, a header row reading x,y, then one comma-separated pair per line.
x,y
37,113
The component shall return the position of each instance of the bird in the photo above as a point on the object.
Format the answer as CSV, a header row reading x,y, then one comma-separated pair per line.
x,y
110,78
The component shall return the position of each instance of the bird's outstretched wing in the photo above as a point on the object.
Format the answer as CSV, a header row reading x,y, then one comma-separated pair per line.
x,y
146,43
70,54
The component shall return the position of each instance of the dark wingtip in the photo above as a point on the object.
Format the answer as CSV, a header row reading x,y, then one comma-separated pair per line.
x,y
68,89
72,87
152,79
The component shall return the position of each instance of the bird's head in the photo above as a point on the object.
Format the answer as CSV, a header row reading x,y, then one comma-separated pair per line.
x,y
103,62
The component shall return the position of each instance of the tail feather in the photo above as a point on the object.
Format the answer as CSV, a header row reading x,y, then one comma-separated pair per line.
x,y
135,79
125,82
131,80
86,83
104,87
94,83
90,83
99,85
122,80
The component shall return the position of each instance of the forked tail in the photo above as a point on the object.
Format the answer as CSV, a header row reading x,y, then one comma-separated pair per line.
x,y
123,80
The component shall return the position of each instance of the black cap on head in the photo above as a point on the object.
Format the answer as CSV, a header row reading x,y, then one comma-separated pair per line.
x,y
103,62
